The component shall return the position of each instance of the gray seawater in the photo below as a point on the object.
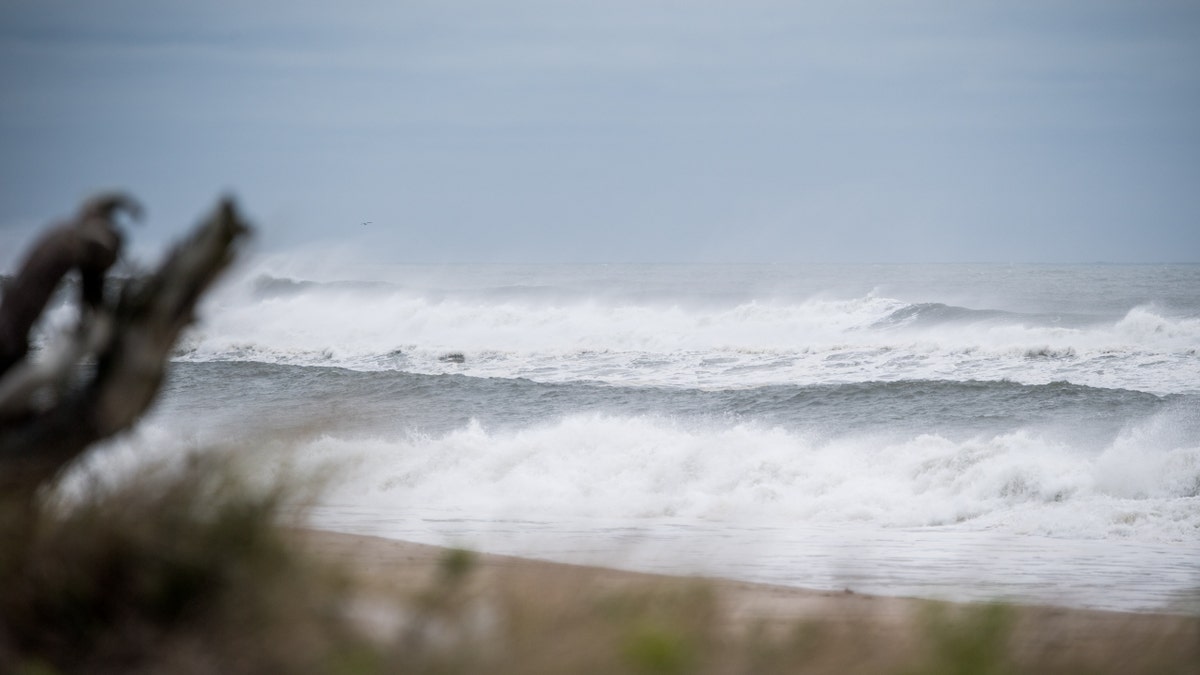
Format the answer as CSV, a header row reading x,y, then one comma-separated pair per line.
x,y
957,431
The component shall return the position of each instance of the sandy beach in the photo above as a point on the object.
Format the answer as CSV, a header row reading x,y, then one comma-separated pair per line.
x,y
857,631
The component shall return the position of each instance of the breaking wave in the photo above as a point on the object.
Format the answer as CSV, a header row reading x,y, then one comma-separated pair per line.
x,y
1142,486
379,326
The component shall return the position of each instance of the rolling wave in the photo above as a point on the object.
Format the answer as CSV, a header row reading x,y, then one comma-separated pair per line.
x,y
382,326
1057,459
391,402
1143,484
936,313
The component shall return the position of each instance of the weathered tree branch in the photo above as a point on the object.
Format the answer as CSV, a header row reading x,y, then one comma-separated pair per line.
x,y
131,359
89,243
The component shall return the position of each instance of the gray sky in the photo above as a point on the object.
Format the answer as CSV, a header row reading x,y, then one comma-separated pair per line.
x,y
622,130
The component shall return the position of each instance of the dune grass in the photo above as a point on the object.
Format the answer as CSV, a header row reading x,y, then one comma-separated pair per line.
x,y
172,572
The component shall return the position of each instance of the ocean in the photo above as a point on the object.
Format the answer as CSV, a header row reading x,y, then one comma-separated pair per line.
x,y
967,432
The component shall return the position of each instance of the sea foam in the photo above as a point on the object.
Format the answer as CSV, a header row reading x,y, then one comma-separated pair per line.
x,y
632,468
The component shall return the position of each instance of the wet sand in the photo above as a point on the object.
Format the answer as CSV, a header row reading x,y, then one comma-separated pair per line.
x,y
1045,636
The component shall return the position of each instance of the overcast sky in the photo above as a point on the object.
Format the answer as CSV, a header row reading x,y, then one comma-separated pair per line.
x,y
619,130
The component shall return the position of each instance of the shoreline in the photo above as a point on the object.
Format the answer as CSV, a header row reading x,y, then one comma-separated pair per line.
x,y
410,565
1040,635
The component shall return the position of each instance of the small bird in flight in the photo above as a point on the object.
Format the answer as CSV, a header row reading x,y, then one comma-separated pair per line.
x,y
368,222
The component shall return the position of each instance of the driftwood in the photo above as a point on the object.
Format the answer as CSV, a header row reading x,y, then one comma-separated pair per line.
x,y
130,339
90,243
